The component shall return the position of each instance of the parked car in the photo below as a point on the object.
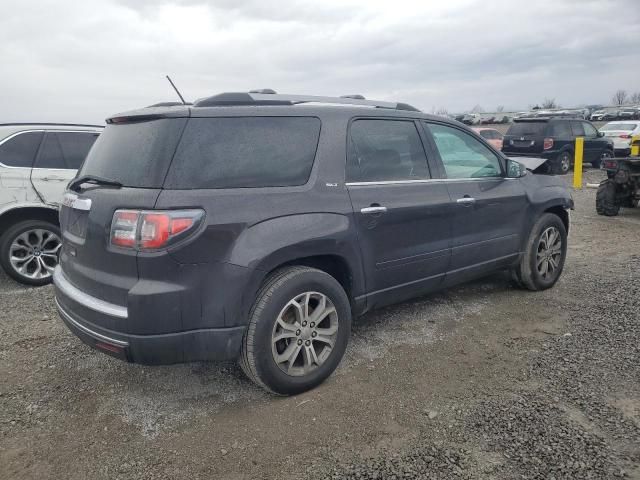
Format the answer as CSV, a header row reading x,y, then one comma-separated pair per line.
x,y
472,119
629,113
491,135
487,119
604,115
36,163
254,226
621,133
553,138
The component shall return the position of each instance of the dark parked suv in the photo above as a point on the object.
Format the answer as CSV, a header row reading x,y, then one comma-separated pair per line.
x,y
554,139
254,226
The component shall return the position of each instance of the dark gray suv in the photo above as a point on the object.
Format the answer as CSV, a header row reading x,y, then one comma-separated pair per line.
x,y
255,226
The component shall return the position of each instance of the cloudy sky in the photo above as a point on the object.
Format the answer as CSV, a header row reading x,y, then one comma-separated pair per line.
x,y
80,61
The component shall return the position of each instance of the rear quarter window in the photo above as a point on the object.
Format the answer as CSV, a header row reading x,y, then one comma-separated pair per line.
x,y
245,152
560,130
20,150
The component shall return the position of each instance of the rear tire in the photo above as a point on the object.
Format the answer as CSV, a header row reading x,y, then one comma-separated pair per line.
x,y
281,325
606,203
546,246
33,245
562,164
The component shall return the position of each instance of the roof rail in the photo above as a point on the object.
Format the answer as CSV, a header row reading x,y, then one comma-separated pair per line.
x,y
254,98
21,124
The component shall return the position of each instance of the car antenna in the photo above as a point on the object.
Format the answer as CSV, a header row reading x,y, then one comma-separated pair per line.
x,y
176,89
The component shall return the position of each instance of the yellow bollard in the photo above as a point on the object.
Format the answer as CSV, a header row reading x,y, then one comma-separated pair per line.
x,y
577,163
635,146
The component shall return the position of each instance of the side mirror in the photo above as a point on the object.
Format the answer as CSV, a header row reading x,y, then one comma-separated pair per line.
x,y
515,169
601,134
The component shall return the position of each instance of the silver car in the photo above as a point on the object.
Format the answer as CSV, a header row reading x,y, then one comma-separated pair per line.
x,y
36,163
621,132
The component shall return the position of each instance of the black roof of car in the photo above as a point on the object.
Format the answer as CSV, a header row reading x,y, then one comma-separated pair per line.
x,y
258,100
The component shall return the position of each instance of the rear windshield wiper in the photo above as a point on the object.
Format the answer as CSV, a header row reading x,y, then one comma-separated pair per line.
x,y
94,180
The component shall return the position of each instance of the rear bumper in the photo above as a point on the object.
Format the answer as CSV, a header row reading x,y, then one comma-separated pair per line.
x,y
164,348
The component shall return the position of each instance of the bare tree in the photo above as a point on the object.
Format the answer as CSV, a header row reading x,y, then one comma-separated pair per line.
x,y
477,109
443,112
635,98
500,108
549,103
620,97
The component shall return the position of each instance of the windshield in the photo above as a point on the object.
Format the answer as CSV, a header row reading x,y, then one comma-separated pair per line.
x,y
520,129
626,127
134,154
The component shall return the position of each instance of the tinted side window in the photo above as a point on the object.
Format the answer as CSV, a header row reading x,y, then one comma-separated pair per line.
x,y
589,130
560,130
385,150
245,152
75,147
50,155
463,155
578,131
20,150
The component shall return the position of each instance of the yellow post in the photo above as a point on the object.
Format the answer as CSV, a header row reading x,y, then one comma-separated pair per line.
x,y
635,146
577,163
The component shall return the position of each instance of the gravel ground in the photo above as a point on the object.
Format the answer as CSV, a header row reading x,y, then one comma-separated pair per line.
x,y
483,381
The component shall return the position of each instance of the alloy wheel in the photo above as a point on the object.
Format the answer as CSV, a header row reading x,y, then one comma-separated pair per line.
x,y
34,253
304,333
549,253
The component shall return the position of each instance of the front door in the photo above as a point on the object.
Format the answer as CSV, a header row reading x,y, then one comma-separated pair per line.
x,y
488,209
401,214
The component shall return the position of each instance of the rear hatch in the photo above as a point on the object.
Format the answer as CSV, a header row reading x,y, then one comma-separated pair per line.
x,y
525,137
136,153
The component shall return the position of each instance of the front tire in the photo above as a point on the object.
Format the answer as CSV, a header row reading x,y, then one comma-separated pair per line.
x,y
606,203
605,155
298,331
546,250
29,251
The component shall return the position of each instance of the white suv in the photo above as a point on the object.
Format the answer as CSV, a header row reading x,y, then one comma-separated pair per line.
x,y
36,163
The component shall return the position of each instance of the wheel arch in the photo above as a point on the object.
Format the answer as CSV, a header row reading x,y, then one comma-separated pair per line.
x,y
561,212
19,214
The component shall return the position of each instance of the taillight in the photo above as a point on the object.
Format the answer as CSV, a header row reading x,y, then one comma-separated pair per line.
x,y
124,227
610,164
548,143
624,135
149,230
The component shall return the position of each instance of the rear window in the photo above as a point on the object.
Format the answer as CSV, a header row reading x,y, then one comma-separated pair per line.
x,y
135,154
625,127
245,152
520,129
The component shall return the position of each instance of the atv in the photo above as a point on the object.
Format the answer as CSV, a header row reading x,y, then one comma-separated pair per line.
x,y
622,186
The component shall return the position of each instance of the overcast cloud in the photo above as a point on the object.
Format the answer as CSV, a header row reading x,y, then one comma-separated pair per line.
x,y
80,61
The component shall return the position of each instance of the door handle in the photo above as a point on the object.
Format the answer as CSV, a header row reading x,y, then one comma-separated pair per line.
x,y
466,201
372,210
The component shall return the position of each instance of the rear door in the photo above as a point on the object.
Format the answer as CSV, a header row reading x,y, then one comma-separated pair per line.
x,y
402,216
487,211
59,157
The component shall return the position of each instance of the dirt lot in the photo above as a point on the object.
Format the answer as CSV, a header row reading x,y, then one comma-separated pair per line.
x,y
484,381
